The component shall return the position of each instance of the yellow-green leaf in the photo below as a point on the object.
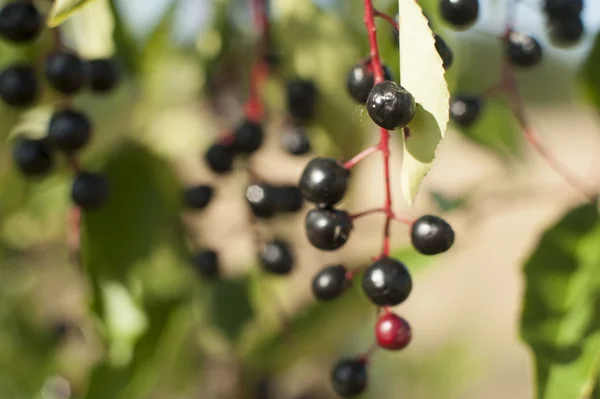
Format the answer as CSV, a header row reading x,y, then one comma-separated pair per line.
x,y
63,9
92,30
422,74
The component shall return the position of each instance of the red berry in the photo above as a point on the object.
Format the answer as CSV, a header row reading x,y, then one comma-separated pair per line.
x,y
392,332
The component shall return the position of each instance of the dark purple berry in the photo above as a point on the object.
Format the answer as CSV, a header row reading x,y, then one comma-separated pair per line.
x,y
301,98
20,22
248,137
90,190
560,9
295,141
349,377
387,282
324,181
330,283
206,263
69,130
288,199
361,80
262,200
33,157
566,32
390,105
277,257
18,85
444,52
431,235
328,229
523,50
219,158
198,197
465,109
103,74
460,13
392,332
66,72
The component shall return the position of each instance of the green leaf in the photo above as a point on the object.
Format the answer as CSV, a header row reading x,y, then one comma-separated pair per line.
x,y
62,9
590,75
560,319
447,203
92,30
231,307
422,74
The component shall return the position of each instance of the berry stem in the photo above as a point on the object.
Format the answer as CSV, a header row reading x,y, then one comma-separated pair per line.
x,y
387,18
366,213
360,156
254,108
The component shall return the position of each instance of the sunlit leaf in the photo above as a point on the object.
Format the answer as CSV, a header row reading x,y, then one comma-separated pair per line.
x,y
92,30
63,9
422,74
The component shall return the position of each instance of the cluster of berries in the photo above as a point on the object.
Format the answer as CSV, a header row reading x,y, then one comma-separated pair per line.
x,y
69,130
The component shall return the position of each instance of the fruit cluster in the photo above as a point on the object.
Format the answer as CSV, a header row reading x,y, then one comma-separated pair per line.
x,y
387,281
69,130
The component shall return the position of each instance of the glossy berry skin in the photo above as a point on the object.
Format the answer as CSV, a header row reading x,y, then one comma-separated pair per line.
x,y
566,32
248,137
18,85
206,263
90,190
523,50
277,257
390,105
392,332
288,199
301,98
330,283
295,141
387,282
431,235
328,229
219,158
461,14
262,200
444,51
33,157
560,9
103,75
198,197
349,377
69,130
324,181
66,72
361,80
20,22
465,109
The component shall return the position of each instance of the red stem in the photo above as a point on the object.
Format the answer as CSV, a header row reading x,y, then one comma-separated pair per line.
x,y
254,108
360,156
387,18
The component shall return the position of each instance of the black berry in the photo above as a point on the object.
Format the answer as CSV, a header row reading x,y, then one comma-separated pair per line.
x,y
361,80
324,181
328,229
103,74
277,258
33,157
248,137
390,105
465,109
444,52
69,130
262,200
20,22
387,282
431,235
288,199
523,50
330,283
219,158
198,197
66,72
301,98
206,263
566,32
349,377
18,85
295,141
560,9
460,13
90,190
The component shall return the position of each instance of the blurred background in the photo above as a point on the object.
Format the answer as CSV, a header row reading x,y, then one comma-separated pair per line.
x,y
137,322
